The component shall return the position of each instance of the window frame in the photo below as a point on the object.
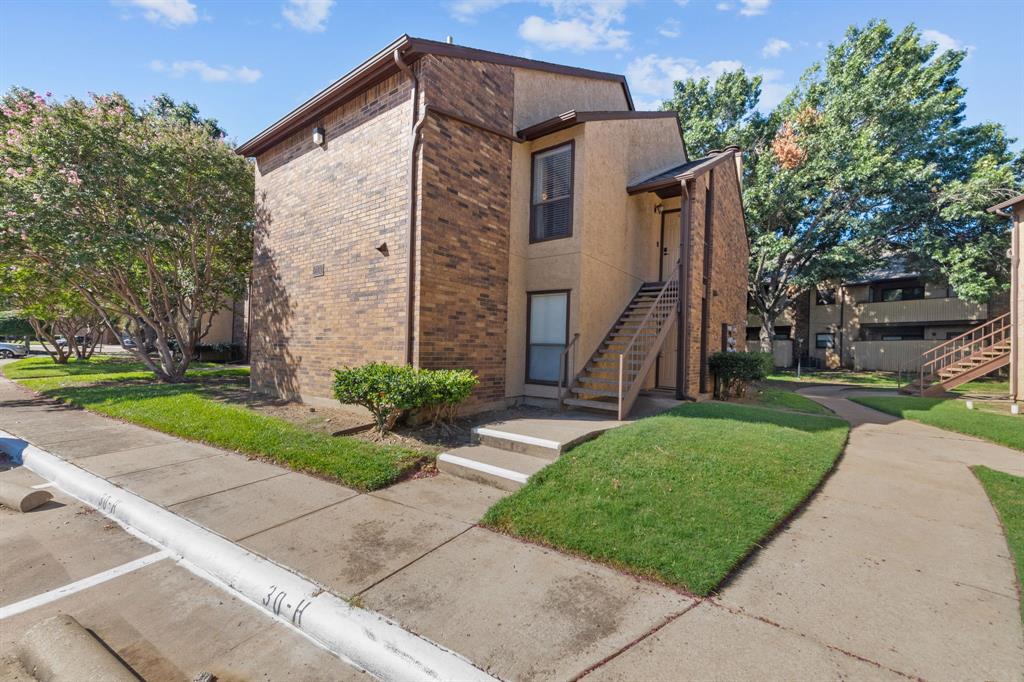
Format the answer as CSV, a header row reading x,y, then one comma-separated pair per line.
x,y
571,144
819,299
529,316
902,289
827,346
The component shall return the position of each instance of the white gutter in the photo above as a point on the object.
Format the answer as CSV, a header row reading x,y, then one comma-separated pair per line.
x,y
364,638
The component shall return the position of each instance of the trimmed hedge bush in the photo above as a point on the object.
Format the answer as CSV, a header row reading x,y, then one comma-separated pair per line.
x,y
389,391
734,372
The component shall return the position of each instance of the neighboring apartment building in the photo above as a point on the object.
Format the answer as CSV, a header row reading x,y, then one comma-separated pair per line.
x,y
884,320
1014,209
450,207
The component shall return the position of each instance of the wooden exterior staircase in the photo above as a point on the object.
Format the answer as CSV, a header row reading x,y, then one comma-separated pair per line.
x,y
964,358
614,375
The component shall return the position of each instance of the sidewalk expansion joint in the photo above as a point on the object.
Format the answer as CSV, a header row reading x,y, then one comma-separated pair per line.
x,y
216,492
402,568
740,611
294,518
629,645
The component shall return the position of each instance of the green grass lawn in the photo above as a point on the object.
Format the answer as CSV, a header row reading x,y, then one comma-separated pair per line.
x,y
682,497
184,410
1007,495
838,376
952,415
987,386
769,396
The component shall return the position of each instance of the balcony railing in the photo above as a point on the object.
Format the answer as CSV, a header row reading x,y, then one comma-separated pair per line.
x,y
921,310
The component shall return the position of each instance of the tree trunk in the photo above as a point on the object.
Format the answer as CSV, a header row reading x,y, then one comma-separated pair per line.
x,y
767,333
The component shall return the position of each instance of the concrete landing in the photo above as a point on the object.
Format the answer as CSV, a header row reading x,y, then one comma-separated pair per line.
x,y
507,452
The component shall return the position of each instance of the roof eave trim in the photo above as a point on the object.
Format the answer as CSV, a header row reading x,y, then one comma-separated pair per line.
x,y
324,100
1009,203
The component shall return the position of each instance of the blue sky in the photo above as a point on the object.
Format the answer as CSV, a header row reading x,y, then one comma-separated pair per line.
x,y
248,63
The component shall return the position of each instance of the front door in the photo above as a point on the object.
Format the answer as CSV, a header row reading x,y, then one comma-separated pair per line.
x,y
669,246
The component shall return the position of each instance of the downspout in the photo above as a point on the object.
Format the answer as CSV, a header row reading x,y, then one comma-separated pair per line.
x,y
1015,282
417,124
683,321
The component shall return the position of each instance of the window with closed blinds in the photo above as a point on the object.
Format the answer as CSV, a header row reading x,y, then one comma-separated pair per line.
x,y
548,325
551,194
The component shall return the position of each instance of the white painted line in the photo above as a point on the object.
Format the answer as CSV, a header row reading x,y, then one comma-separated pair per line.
x,y
519,438
483,467
79,585
359,636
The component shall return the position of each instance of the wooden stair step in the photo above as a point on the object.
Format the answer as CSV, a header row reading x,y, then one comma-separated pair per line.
x,y
583,390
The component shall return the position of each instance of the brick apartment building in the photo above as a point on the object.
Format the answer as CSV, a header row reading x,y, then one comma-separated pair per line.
x,y
451,207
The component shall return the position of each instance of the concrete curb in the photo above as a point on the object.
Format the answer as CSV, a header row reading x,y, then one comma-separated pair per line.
x,y
361,637
59,649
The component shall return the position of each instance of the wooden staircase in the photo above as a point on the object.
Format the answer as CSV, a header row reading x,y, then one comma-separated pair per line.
x,y
612,378
964,358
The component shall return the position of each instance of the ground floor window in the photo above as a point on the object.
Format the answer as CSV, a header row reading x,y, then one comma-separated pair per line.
x,y
547,332
825,340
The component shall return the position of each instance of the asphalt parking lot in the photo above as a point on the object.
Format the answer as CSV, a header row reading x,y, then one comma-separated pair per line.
x,y
163,621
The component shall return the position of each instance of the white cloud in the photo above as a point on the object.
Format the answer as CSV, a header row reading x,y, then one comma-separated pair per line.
x,y
210,74
670,29
773,89
751,8
579,25
944,41
307,15
775,47
467,10
748,8
682,3
168,12
654,75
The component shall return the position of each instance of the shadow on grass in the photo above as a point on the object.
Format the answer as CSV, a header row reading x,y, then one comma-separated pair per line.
x,y
752,414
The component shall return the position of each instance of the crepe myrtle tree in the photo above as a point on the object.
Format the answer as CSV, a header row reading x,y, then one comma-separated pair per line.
x,y
53,310
146,213
867,159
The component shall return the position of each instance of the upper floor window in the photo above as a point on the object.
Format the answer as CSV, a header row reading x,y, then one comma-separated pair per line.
x,y
825,296
912,293
551,194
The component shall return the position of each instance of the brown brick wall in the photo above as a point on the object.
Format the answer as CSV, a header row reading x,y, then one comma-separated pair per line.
x,y
726,289
465,211
332,206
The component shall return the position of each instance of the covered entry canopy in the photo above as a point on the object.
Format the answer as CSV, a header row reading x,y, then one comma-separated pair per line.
x,y
669,183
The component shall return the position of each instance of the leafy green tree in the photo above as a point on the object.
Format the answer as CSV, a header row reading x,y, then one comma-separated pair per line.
x,y
145,213
59,317
867,158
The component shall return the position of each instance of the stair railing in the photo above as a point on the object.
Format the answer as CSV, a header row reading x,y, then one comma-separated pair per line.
x,y
961,348
564,359
642,350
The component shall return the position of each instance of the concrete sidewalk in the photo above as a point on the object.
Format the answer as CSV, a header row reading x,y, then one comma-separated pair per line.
x,y
897,567
898,560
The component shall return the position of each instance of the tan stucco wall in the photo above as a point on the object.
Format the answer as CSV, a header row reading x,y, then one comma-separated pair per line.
x,y
541,95
614,245
220,327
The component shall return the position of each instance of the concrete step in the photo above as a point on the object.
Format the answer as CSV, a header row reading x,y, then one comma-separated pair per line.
x,y
485,464
535,446
592,404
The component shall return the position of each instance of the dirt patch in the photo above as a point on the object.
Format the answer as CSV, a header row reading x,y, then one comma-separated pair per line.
x,y
347,420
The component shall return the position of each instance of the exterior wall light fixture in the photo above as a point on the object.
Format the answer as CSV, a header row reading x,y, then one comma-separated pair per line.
x,y
318,136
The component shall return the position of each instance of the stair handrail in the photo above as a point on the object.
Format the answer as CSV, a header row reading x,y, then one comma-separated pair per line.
x,y
562,360
931,366
664,305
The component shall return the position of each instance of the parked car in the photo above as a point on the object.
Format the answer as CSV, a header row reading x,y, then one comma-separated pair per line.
x,y
11,350
127,342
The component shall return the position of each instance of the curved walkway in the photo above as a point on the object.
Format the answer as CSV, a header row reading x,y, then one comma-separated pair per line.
x,y
900,558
